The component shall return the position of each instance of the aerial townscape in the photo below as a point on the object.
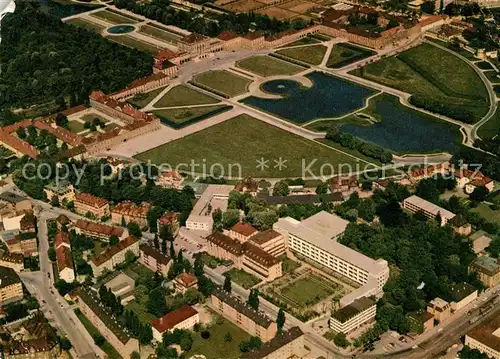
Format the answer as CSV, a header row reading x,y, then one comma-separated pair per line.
x,y
249,179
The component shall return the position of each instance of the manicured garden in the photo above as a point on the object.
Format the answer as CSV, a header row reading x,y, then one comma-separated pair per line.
x,y
432,73
309,54
143,99
268,66
485,211
308,40
75,126
256,140
113,17
130,41
244,279
492,76
159,33
217,345
183,95
344,54
89,25
222,82
181,117
490,128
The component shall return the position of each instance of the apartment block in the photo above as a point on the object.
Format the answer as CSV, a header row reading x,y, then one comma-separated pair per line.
x,y
64,257
183,318
439,308
270,241
11,288
254,322
289,344
153,259
12,260
114,255
170,179
354,315
242,232
24,243
246,256
87,203
171,219
98,230
416,204
90,305
62,190
487,270
315,239
128,211
18,203
486,338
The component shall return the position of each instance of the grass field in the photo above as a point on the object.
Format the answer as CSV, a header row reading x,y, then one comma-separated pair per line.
x,y
492,76
140,310
288,265
487,213
304,41
254,140
244,279
268,66
134,43
75,126
113,17
310,54
431,72
160,34
307,291
345,54
90,117
491,128
182,95
467,54
215,347
223,81
106,347
89,25
143,99
181,115
484,65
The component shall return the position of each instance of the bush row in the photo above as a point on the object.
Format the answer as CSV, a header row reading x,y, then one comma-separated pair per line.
x,y
438,107
177,126
203,87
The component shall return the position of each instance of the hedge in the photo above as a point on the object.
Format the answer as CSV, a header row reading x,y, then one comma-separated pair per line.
x,y
288,59
206,88
177,126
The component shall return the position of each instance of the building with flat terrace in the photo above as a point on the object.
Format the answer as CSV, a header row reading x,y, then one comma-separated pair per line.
x,y
316,239
214,197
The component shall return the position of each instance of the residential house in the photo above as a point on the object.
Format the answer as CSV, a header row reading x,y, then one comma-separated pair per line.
x,y
345,185
182,318
98,230
114,255
185,281
18,203
439,308
153,259
64,257
420,321
62,190
354,315
461,225
27,224
487,270
169,218
86,203
252,321
11,287
128,211
461,295
470,180
289,344
247,185
170,179
24,243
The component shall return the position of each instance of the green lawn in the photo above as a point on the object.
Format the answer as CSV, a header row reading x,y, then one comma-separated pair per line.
x,y
90,117
467,54
492,76
304,41
89,25
487,213
345,54
113,17
484,65
309,54
210,261
106,347
141,270
268,66
431,72
182,95
307,291
75,126
160,34
244,279
242,141
141,311
491,128
182,115
215,347
129,41
223,82
143,99
288,265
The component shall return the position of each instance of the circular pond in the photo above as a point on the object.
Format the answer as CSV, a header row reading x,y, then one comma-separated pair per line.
x,y
282,87
120,29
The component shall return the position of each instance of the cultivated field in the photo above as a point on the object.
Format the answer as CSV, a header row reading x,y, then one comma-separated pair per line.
x,y
113,17
160,34
182,95
223,82
268,66
433,73
310,54
86,24
134,43
253,140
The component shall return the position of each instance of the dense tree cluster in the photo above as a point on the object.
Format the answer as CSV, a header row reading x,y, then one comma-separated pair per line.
x,y
489,165
110,300
368,149
53,64
209,24
437,106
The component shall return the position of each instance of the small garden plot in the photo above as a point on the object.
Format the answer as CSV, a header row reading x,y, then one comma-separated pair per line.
x,y
244,279
309,54
113,17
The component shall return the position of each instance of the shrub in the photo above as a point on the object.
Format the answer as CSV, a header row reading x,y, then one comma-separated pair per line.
x,y
205,334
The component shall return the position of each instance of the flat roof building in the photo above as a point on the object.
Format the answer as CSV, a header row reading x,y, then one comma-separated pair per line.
x,y
315,238
486,338
214,196
487,269
354,315
416,204
11,288
289,344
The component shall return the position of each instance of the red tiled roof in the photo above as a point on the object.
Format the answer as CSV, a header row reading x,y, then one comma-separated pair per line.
x,y
186,279
61,238
173,318
98,228
244,229
91,200
129,208
193,38
169,218
73,110
227,35
113,250
166,54
64,260
172,174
